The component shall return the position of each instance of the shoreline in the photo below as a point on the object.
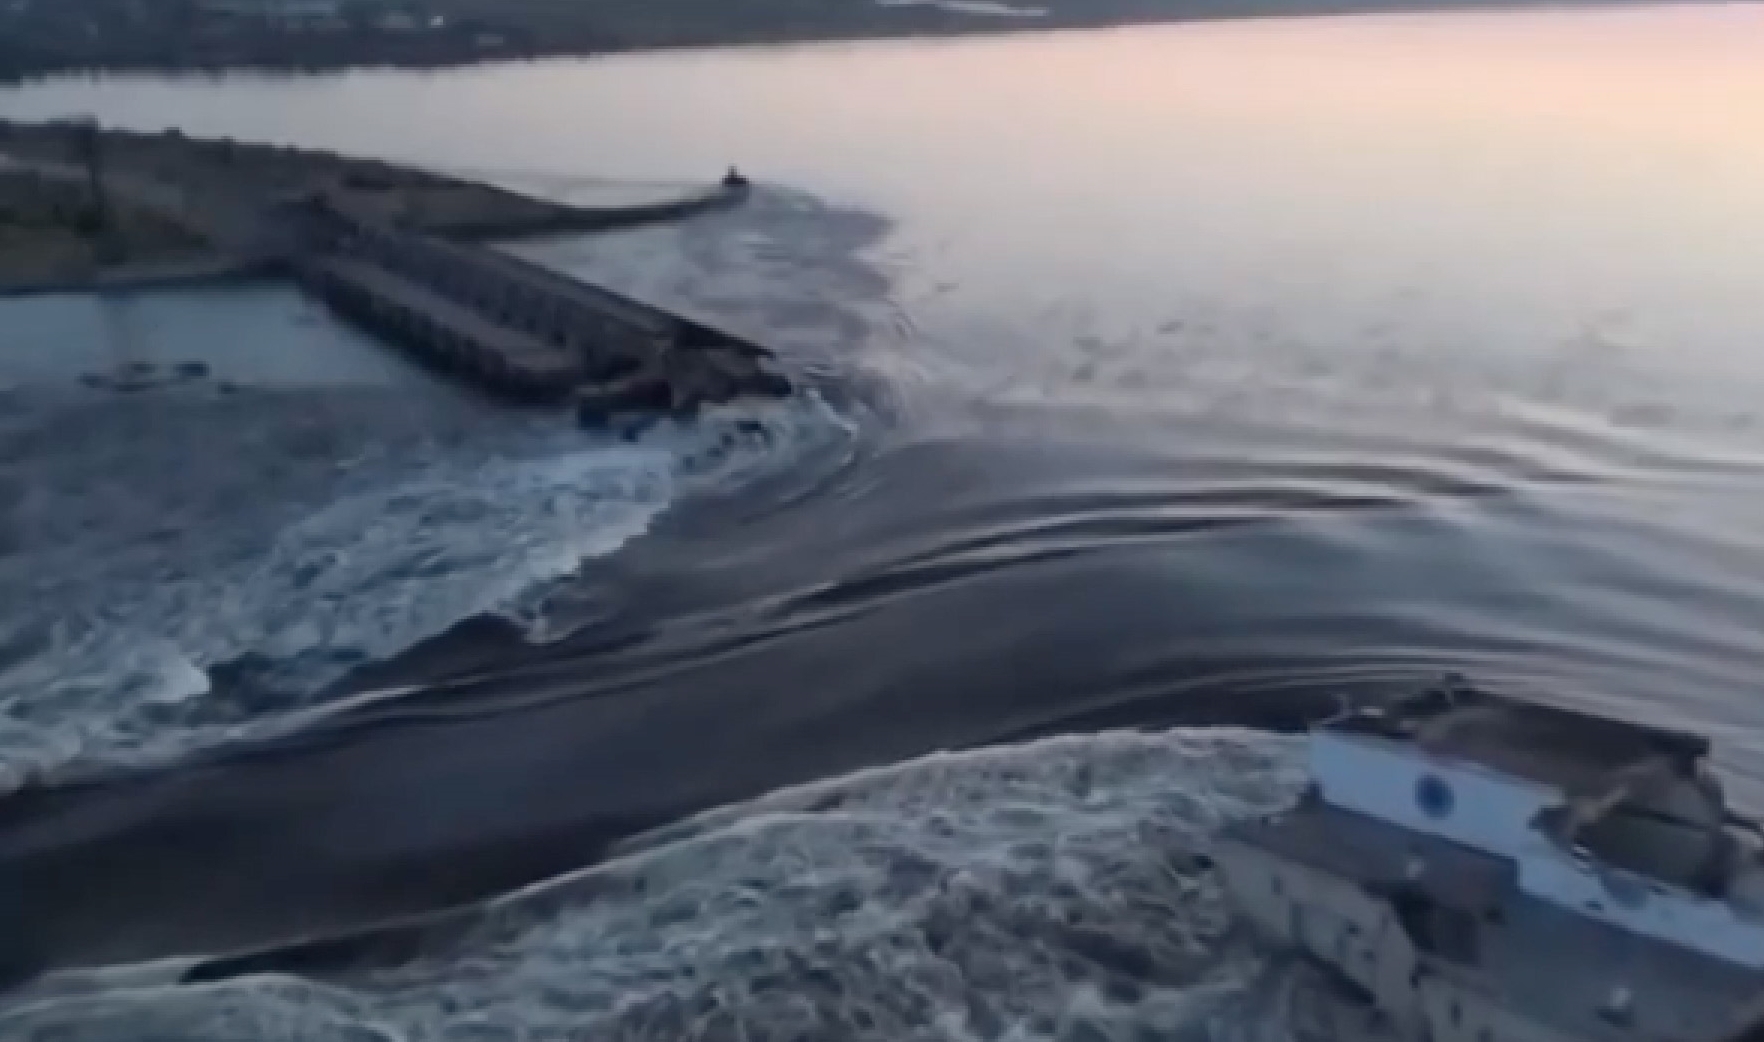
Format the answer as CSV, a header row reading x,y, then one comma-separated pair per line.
x,y
933,24
147,275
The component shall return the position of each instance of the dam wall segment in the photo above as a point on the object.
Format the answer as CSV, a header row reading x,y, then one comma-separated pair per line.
x,y
517,330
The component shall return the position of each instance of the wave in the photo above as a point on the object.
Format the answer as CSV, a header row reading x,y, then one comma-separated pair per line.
x,y
1055,889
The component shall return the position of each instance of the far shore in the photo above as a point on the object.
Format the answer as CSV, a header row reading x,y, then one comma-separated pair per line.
x,y
314,52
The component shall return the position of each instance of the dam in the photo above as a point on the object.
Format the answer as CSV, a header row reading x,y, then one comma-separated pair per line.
x,y
516,330
397,251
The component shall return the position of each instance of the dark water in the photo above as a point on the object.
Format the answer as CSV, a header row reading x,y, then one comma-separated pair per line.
x,y
1157,407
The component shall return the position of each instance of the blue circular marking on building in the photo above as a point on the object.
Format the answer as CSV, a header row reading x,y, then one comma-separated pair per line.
x,y
1434,796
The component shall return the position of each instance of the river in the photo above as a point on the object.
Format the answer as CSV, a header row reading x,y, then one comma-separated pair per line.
x,y
1167,385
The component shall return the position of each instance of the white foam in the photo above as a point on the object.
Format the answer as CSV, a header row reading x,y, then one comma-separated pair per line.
x,y
360,578
356,580
1046,891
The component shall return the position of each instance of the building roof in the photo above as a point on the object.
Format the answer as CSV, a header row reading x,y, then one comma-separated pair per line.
x,y
1560,747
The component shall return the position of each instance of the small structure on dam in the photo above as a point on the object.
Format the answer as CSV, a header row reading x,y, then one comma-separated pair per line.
x,y
389,249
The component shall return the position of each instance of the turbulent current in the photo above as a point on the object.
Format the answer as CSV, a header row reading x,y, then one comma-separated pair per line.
x,y
1150,411
381,533
1051,890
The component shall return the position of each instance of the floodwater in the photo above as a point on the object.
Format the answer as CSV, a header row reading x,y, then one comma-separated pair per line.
x,y
1168,385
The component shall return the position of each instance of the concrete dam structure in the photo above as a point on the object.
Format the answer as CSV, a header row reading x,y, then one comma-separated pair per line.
x,y
386,247
517,330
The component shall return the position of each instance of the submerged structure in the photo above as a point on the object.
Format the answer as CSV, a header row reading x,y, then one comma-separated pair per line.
x,y
1469,867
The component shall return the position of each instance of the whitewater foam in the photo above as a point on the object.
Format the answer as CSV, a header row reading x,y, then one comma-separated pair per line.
x,y
1056,890
115,666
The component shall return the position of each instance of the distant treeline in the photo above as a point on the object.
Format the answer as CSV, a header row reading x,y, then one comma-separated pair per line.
x,y
177,35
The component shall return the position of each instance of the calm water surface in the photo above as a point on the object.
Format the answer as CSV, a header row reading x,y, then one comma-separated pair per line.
x,y
1163,378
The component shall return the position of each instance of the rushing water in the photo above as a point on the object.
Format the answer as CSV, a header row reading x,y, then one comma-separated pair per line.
x,y
1161,378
